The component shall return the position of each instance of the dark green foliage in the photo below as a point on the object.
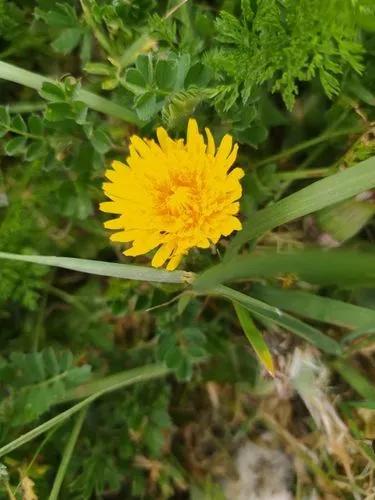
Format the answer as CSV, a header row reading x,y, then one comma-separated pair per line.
x,y
293,81
173,85
122,429
284,43
34,382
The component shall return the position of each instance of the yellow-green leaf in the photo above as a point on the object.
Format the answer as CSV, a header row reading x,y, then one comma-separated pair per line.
x,y
255,338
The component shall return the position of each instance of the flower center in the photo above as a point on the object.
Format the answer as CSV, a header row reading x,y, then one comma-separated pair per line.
x,y
179,200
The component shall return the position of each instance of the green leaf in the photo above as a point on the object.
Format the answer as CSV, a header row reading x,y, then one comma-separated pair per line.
x,y
91,392
100,141
18,124
59,111
318,195
33,80
4,116
289,323
36,150
146,106
35,125
322,267
99,268
67,40
33,388
198,75
165,74
61,15
183,65
369,405
15,146
52,92
135,81
102,69
144,66
355,379
255,338
316,307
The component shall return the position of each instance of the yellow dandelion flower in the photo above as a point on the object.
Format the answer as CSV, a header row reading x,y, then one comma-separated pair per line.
x,y
174,195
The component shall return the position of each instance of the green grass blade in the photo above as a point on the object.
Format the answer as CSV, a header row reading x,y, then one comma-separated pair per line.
x,y
320,194
355,379
122,380
316,307
97,267
255,338
322,267
369,405
33,80
275,315
67,455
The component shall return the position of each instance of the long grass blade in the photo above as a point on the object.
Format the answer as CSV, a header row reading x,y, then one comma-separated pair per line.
x,y
99,268
255,338
320,194
275,315
67,455
93,101
318,308
355,379
322,267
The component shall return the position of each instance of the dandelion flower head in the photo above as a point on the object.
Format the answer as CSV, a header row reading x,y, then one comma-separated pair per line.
x,y
174,195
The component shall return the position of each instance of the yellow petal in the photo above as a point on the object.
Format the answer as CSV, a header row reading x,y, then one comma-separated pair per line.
x,y
119,166
140,146
224,149
164,140
174,262
231,158
114,223
162,254
210,142
194,141
111,207
126,236
229,225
